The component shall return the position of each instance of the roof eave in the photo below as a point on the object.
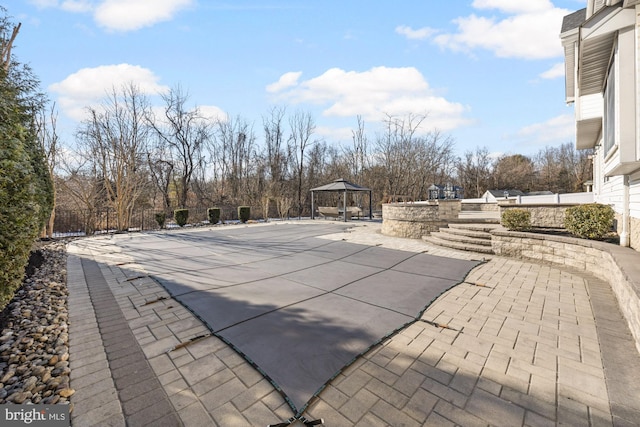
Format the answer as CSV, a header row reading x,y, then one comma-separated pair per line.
x,y
597,39
588,133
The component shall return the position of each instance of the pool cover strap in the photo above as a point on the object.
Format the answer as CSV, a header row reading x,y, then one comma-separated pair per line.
x,y
303,420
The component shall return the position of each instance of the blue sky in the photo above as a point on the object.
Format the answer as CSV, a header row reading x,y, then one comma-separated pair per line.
x,y
486,72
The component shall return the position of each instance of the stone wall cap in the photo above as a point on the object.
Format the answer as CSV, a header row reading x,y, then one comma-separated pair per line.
x,y
626,259
538,205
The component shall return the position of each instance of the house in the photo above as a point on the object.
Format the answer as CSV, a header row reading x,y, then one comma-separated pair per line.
x,y
492,196
445,192
602,67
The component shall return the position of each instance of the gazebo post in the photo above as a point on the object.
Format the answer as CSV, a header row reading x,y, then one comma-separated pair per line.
x,y
344,205
312,217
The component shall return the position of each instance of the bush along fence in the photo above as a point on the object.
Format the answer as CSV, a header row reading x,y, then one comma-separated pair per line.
x,y
69,222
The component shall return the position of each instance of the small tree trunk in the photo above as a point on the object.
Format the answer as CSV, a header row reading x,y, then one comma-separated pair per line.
x,y
6,48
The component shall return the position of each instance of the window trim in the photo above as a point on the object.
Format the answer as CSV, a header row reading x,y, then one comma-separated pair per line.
x,y
610,113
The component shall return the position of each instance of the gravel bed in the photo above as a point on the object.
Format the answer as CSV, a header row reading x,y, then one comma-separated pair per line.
x,y
34,342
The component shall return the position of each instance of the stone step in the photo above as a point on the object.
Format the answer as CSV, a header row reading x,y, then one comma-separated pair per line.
x,y
443,234
460,246
486,228
466,232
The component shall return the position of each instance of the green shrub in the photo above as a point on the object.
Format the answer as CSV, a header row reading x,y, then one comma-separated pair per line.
x,y
214,215
590,221
19,213
244,212
181,216
516,219
161,218
26,188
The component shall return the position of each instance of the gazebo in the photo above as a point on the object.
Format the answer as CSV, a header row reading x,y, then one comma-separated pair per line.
x,y
344,186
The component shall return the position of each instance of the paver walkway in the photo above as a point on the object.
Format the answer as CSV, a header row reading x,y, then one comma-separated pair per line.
x,y
516,344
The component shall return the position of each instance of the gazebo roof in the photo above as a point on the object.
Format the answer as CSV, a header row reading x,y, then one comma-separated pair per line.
x,y
341,185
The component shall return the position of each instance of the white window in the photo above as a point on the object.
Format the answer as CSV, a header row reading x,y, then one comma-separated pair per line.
x,y
609,124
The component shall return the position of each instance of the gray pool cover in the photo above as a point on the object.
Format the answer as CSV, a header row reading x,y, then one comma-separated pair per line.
x,y
301,308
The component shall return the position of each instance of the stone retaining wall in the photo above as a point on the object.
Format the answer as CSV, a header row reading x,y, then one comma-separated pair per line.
x,y
542,216
634,233
414,220
480,207
614,264
449,209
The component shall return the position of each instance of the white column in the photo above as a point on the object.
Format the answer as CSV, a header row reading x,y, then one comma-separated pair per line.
x,y
624,235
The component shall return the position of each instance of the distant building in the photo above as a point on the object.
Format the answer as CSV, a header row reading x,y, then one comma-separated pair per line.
x,y
498,195
602,69
437,192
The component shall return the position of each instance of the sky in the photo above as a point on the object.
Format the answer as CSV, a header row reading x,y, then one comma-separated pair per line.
x,y
488,73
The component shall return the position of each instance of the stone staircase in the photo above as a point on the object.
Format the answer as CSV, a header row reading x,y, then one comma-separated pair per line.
x,y
465,237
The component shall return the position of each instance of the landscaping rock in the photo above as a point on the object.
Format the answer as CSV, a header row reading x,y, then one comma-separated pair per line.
x,y
34,350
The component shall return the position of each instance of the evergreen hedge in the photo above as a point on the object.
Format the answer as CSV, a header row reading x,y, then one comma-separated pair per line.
x,y
161,218
26,190
181,216
213,214
244,213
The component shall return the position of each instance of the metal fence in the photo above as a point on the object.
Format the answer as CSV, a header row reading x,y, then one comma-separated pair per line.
x,y
75,222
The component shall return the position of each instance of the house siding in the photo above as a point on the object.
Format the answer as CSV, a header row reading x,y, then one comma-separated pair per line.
x,y
637,75
612,37
634,196
611,193
598,4
591,106
607,190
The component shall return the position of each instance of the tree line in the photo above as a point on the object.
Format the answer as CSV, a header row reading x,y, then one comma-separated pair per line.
x,y
128,155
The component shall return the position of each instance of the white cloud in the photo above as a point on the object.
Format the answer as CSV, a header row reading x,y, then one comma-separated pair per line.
x,y
521,29
128,15
121,15
374,93
286,80
334,133
76,6
44,3
88,86
212,112
511,6
419,34
554,72
557,130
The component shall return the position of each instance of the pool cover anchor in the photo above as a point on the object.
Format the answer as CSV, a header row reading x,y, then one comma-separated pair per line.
x,y
303,420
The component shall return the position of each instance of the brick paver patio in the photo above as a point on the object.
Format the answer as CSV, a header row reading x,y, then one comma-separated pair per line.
x,y
517,343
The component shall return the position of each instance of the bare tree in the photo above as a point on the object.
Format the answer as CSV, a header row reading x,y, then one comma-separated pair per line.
x,y
514,172
302,128
274,154
115,137
46,130
358,155
161,169
6,44
274,143
185,133
234,159
411,161
578,166
79,188
474,172
563,169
